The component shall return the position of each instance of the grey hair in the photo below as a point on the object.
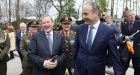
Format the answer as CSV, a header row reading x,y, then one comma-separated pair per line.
x,y
127,12
94,5
46,16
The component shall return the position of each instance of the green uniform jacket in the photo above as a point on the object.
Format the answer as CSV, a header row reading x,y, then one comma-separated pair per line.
x,y
24,46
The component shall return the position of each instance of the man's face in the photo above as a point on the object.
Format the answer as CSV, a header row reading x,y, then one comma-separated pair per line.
x,y
108,19
131,16
33,29
88,16
22,27
66,26
47,24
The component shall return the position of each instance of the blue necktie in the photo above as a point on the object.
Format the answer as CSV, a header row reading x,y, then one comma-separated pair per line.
x,y
90,37
50,42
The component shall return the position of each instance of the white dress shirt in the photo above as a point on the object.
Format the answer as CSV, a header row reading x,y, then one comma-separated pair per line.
x,y
94,30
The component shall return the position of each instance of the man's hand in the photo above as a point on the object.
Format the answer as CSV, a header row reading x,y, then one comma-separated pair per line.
x,y
127,38
72,70
50,65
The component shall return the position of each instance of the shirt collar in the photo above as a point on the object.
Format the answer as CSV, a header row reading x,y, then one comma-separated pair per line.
x,y
51,33
96,25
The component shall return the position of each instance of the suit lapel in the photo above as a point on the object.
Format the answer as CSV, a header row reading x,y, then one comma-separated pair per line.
x,y
84,35
54,42
98,35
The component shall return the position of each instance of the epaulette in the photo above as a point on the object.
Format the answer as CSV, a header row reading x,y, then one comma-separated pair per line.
x,y
72,32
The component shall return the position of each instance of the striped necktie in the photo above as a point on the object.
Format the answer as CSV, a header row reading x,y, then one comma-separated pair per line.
x,y
50,42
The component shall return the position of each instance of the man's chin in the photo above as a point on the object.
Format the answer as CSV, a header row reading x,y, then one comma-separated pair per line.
x,y
86,22
47,30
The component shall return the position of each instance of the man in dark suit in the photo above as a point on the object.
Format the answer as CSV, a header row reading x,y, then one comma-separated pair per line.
x,y
128,28
19,34
47,49
92,41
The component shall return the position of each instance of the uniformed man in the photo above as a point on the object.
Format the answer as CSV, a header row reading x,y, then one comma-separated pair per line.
x,y
4,48
24,46
69,36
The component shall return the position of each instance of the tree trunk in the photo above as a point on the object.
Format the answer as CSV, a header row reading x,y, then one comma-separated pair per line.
x,y
133,4
130,4
123,5
112,8
17,12
117,7
136,6
0,13
9,11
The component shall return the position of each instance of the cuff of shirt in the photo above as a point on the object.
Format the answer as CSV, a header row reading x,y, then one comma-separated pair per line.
x,y
44,64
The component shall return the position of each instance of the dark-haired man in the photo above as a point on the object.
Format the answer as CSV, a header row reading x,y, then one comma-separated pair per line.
x,y
93,39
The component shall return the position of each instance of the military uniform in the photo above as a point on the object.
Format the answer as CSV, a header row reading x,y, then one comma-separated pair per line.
x,y
69,36
24,46
4,48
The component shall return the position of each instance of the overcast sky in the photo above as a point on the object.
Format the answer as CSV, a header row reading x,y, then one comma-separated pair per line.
x,y
53,12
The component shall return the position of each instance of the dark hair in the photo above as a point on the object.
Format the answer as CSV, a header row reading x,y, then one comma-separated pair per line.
x,y
10,28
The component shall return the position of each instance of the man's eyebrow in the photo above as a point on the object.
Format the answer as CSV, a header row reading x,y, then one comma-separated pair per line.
x,y
84,13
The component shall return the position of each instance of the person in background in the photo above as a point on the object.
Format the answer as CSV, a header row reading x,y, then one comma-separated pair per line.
x,y
12,36
39,25
24,46
19,33
4,49
129,27
109,22
69,36
102,19
47,49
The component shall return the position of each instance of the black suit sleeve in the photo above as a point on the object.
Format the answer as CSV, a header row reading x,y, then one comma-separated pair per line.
x,y
62,53
32,54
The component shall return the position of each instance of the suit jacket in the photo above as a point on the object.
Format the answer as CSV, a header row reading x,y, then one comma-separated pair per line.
x,y
18,39
92,62
136,39
39,52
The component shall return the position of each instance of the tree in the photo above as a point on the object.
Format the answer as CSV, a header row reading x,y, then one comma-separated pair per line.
x,y
65,7
136,6
103,5
41,7
0,13
17,11
26,10
112,7
9,11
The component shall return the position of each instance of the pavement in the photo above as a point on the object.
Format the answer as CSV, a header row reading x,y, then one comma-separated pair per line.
x,y
14,67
